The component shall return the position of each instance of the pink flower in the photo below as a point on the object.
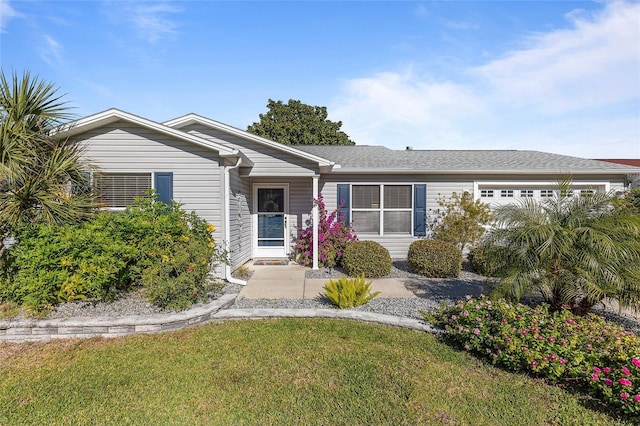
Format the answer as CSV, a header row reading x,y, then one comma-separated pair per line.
x,y
624,395
625,382
553,357
595,377
608,382
524,331
597,370
544,358
625,371
534,363
637,398
636,362
552,339
606,370
562,361
476,331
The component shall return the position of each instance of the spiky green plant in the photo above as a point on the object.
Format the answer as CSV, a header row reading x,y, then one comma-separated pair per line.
x,y
574,251
42,176
348,292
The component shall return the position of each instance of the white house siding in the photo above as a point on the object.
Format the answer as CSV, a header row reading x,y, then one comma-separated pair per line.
x,y
125,147
240,219
267,161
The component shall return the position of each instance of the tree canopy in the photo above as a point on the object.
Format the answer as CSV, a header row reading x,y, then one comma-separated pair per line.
x,y
296,123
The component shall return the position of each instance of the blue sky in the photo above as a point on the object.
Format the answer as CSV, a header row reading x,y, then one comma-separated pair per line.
x,y
556,76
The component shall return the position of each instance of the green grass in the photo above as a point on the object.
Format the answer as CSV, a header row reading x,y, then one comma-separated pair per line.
x,y
288,371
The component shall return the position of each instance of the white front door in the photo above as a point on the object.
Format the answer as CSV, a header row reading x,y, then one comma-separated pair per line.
x,y
270,220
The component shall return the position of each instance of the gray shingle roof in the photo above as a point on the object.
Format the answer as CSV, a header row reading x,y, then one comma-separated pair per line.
x,y
366,158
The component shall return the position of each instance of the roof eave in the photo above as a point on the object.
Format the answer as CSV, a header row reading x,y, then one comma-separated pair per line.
x,y
112,115
198,119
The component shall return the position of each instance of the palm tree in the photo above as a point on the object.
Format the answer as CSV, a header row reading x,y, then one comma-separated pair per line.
x,y
42,178
574,251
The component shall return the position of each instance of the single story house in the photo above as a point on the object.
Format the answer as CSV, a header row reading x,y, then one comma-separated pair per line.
x,y
258,192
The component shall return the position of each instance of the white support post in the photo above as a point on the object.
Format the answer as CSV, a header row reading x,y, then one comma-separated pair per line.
x,y
315,215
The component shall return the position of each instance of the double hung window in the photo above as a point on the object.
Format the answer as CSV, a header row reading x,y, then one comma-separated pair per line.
x,y
382,209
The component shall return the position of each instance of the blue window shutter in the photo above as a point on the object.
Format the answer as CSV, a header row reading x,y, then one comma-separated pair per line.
x,y
164,186
419,210
344,199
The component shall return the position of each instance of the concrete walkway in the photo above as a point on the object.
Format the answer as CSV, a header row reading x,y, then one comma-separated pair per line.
x,y
289,282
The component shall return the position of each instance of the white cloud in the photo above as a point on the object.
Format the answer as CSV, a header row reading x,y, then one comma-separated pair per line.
x,y
594,63
6,14
51,51
151,20
574,91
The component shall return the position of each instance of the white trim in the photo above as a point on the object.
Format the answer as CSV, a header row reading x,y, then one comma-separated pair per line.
x,y
382,209
195,118
316,219
258,252
112,115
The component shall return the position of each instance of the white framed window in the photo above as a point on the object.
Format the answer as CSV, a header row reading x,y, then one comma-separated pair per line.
x,y
587,192
382,209
567,193
506,193
526,193
546,193
119,190
486,193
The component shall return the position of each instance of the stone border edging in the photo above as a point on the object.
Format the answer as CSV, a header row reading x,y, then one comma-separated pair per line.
x,y
34,330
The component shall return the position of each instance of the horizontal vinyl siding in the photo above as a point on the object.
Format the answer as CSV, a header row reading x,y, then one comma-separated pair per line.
x,y
124,147
240,219
267,161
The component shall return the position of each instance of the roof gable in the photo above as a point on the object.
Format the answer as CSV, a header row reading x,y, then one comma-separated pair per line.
x,y
188,119
112,115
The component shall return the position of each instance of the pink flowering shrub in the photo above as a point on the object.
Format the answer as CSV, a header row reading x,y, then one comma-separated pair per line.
x,y
599,356
333,236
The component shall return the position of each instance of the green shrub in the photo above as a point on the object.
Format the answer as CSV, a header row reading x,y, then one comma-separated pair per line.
x,y
480,263
52,264
600,357
349,292
160,246
436,259
367,258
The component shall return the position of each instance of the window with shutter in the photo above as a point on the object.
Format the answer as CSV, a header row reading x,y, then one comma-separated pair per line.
x,y
119,190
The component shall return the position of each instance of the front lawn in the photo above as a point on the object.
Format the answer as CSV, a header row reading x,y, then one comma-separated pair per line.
x,y
286,371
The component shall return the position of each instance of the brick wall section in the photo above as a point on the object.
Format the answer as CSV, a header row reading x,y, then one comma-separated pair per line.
x,y
29,330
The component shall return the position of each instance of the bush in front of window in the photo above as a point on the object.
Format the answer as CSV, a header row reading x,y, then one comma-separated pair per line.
x,y
435,258
52,264
333,236
480,262
366,258
161,247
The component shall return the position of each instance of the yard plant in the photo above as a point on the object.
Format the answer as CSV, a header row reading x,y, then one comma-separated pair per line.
x,y
42,178
158,246
593,355
366,258
461,220
572,250
346,292
434,258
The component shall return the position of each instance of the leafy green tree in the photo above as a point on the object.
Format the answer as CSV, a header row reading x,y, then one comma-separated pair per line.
x,y
461,220
42,178
295,123
574,251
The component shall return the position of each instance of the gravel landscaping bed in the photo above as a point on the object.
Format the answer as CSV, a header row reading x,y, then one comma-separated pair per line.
x,y
430,293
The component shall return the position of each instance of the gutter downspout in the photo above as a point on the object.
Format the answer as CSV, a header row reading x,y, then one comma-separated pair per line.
x,y
227,221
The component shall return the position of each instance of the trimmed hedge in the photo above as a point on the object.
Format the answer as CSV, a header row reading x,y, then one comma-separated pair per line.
x,y
366,258
435,259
